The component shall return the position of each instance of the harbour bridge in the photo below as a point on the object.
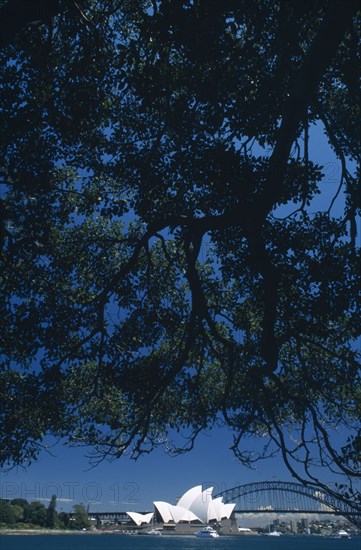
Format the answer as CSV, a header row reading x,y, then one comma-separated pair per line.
x,y
288,497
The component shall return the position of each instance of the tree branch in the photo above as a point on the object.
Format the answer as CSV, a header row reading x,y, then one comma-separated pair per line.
x,y
337,21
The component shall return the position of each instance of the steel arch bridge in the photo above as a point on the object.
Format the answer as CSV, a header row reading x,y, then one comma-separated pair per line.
x,y
288,497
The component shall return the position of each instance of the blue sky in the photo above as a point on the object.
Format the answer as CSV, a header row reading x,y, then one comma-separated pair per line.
x,y
127,485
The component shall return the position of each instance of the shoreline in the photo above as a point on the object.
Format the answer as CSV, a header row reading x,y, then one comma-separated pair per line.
x,y
95,532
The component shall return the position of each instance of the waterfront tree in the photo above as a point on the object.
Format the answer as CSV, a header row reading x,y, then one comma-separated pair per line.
x,y
7,514
64,519
175,254
37,513
18,512
51,513
80,519
23,504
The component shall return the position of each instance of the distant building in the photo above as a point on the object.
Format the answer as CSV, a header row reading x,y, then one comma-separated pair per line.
x,y
294,528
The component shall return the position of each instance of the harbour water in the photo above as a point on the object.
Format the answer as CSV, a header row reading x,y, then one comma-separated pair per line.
x,y
114,542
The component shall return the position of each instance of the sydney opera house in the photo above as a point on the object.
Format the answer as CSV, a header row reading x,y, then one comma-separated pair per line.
x,y
194,507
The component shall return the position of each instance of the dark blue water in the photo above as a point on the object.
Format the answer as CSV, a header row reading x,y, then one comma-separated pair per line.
x,y
114,542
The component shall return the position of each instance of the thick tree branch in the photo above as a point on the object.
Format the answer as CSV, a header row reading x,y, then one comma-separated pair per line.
x,y
337,21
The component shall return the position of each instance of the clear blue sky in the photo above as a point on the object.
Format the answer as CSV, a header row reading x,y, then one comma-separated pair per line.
x,y
127,485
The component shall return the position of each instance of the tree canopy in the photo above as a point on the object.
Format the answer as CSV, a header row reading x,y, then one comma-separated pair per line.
x,y
172,259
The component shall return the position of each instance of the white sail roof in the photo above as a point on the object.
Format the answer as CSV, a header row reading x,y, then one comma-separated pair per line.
x,y
201,503
182,514
194,505
215,509
186,500
163,509
140,518
227,510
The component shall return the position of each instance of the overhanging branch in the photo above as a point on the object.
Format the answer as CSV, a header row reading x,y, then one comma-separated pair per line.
x,y
337,21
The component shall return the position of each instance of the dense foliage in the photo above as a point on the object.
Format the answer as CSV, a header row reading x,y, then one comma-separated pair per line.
x,y
174,254
19,513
